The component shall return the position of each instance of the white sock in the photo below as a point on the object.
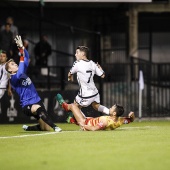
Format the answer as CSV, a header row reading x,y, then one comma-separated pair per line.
x,y
103,109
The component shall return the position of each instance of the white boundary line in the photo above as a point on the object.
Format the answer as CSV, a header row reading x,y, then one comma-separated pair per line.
x,y
41,134
22,136
51,133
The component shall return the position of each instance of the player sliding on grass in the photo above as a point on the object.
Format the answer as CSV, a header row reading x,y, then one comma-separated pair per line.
x,y
30,101
99,123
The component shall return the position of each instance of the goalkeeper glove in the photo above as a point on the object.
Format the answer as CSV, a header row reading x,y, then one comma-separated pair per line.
x,y
18,41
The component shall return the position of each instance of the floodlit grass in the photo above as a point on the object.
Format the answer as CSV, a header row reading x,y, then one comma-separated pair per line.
x,y
137,146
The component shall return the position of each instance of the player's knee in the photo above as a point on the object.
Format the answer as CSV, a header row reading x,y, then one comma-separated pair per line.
x,y
34,108
41,112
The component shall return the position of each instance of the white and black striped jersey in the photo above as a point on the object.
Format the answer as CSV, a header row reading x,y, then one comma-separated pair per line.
x,y
86,69
3,77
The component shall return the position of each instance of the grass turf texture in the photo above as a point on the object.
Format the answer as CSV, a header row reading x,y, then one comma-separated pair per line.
x,y
137,146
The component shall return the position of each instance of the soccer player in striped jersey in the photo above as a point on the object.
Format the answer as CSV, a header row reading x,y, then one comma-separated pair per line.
x,y
29,99
99,123
86,69
4,76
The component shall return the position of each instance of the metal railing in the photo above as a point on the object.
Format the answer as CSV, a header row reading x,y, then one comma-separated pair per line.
x,y
121,85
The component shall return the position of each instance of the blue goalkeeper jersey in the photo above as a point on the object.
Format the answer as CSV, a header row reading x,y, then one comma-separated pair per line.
x,y
23,85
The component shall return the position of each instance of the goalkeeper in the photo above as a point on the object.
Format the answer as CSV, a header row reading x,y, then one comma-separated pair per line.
x,y
99,123
30,101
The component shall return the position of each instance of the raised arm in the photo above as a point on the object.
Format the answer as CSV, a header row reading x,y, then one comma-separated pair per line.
x,y
24,56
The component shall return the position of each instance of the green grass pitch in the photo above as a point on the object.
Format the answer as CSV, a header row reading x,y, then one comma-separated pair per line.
x,y
138,146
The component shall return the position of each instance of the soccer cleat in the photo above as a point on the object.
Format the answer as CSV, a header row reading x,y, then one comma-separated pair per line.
x,y
57,129
71,120
62,102
25,127
68,120
60,99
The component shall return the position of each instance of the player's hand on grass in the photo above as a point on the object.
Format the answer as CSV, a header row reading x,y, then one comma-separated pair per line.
x,y
131,116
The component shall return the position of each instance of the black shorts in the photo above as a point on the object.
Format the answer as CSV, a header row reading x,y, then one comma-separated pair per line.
x,y
27,110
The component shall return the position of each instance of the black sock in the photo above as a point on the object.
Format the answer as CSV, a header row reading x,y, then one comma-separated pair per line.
x,y
45,117
34,128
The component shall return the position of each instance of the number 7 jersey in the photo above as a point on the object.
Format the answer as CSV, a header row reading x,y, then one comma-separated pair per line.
x,y
86,69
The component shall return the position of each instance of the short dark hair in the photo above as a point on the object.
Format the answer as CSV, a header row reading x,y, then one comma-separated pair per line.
x,y
2,51
84,49
119,110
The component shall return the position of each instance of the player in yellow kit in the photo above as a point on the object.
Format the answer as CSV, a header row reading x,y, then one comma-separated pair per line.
x,y
99,123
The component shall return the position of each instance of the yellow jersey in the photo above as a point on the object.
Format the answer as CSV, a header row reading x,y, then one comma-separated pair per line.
x,y
98,121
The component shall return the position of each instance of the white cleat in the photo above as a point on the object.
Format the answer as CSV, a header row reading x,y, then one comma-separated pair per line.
x,y
57,129
25,127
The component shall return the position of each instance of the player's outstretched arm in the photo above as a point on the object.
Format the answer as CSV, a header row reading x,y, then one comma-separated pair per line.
x,y
129,119
132,116
20,46
19,42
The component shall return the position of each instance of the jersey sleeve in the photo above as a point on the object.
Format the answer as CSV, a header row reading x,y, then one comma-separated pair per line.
x,y
23,64
98,71
73,70
26,58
